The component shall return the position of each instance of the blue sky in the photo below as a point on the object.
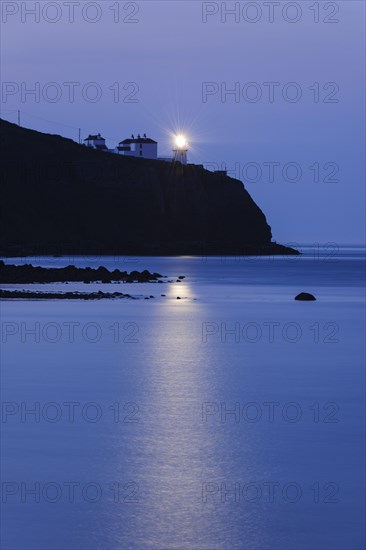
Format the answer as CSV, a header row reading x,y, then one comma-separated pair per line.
x,y
299,152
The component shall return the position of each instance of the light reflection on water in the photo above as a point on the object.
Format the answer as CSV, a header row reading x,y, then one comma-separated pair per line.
x,y
175,462
170,454
174,458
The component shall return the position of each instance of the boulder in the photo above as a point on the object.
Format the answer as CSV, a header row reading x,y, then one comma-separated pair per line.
x,y
305,297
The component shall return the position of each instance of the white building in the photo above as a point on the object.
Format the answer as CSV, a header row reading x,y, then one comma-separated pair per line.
x,y
96,142
142,147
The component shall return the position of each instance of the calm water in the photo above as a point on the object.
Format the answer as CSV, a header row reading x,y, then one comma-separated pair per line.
x,y
230,419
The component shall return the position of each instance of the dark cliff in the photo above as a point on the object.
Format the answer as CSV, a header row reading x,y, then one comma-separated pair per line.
x,y
59,197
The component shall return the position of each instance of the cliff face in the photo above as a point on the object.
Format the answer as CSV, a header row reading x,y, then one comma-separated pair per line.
x,y
58,196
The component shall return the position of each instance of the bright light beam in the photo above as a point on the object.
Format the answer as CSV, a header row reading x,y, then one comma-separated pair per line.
x,y
181,141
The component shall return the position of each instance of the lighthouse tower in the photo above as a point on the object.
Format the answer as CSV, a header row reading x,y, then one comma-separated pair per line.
x,y
180,149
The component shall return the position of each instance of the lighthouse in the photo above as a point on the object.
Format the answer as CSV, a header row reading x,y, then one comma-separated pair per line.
x,y
180,149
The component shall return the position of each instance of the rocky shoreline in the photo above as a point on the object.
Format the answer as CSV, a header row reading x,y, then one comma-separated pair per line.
x,y
31,295
26,274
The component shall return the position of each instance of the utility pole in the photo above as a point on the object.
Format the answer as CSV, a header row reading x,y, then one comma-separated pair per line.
x,y
18,118
79,136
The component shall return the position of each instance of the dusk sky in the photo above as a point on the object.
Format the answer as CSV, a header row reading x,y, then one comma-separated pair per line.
x,y
174,61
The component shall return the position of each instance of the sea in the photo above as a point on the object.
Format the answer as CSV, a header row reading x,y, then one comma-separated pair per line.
x,y
211,413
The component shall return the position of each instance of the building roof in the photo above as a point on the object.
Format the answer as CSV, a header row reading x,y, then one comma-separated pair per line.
x,y
93,138
137,140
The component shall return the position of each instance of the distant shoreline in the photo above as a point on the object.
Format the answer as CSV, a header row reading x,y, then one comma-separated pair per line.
x,y
199,250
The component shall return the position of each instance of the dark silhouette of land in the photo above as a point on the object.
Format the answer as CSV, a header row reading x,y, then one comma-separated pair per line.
x,y
34,295
61,198
26,274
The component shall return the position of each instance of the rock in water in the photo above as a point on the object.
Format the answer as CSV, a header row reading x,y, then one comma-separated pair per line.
x,y
305,297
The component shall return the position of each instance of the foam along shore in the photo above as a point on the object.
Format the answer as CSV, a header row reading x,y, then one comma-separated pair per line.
x,y
24,274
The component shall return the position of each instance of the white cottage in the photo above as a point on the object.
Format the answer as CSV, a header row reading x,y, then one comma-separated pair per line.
x,y
142,147
96,142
